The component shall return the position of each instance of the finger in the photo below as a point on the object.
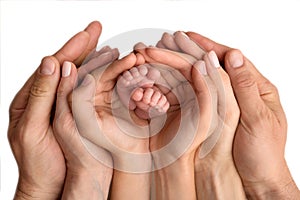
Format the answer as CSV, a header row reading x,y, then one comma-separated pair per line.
x,y
201,85
209,45
221,83
244,84
42,92
84,112
94,30
140,60
139,45
169,42
96,53
97,62
140,48
73,48
116,68
181,62
65,88
188,46
65,129
214,68
159,44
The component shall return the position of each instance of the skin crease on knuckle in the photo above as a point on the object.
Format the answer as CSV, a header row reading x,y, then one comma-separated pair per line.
x,y
39,89
244,80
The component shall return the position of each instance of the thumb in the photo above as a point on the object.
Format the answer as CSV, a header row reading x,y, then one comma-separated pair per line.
x,y
244,83
43,91
83,109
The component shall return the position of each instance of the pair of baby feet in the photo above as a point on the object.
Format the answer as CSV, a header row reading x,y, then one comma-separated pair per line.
x,y
137,91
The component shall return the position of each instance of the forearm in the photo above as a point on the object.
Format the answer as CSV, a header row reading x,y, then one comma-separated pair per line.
x,y
87,185
219,182
176,181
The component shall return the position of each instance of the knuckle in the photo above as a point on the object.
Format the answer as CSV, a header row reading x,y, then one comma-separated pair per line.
x,y
270,86
39,90
244,79
269,91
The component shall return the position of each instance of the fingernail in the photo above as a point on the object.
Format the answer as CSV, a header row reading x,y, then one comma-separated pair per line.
x,y
236,59
87,80
200,65
185,35
213,58
66,69
47,67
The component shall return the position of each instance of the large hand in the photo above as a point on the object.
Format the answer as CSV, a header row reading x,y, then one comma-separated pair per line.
x,y
214,167
261,134
194,123
104,122
189,124
39,158
87,178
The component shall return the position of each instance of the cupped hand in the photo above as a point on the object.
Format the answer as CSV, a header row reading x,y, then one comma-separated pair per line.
x,y
102,119
39,158
194,115
86,176
261,133
213,161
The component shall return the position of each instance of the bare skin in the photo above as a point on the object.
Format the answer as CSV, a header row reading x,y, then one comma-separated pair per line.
x,y
258,146
137,92
30,133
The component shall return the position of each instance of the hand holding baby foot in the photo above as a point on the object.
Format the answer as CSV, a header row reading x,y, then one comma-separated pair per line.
x,y
98,116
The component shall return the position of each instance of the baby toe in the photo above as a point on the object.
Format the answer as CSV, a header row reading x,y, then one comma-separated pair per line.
x,y
155,97
147,95
127,75
134,72
138,94
143,70
153,74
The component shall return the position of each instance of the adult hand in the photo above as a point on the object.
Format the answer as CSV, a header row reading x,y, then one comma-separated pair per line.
x,y
100,119
214,166
39,158
197,116
86,177
261,133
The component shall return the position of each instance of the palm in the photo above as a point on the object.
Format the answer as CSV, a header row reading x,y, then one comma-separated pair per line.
x,y
52,160
40,150
252,137
185,121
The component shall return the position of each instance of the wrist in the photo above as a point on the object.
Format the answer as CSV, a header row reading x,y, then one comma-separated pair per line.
x,y
176,181
133,163
218,182
283,187
85,184
27,191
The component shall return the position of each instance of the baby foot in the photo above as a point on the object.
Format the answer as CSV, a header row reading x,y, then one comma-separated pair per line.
x,y
150,102
136,90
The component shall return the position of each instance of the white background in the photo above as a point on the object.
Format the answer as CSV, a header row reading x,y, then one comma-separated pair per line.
x,y
267,33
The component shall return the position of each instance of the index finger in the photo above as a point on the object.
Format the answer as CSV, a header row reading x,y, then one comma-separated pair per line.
x,y
73,48
179,61
77,48
209,45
